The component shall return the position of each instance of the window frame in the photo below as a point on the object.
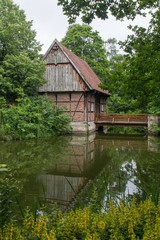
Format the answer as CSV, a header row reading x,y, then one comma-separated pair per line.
x,y
92,107
102,107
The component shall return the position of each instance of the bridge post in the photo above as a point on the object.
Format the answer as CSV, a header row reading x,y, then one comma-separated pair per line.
x,y
153,121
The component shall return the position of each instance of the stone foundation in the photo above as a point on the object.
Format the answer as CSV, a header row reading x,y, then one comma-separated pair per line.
x,y
153,123
83,127
83,139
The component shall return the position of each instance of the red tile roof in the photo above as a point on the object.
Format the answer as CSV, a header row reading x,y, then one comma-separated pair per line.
x,y
85,71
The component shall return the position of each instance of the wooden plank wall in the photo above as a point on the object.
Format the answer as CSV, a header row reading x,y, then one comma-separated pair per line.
x,y
61,75
62,78
57,189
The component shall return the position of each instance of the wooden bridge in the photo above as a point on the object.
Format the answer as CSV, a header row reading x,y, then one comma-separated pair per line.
x,y
134,120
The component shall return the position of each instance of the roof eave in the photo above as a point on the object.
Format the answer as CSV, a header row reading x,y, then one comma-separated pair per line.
x,y
108,94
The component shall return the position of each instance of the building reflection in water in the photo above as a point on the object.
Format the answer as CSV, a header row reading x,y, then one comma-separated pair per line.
x,y
83,164
70,172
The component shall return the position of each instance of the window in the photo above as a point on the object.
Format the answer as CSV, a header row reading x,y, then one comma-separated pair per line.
x,y
92,107
92,155
102,108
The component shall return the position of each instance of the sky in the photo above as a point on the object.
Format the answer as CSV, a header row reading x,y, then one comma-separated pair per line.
x,y
49,22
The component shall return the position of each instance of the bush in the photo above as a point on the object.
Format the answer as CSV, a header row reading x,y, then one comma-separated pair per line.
x,y
9,190
127,222
32,118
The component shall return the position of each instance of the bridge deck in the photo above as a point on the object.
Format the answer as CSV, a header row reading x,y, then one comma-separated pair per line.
x,y
139,120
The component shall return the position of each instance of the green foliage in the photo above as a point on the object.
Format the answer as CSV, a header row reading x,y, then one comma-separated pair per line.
x,y
112,53
117,104
19,71
134,79
3,168
122,221
9,189
78,197
33,117
101,9
142,81
20,64
156,128
89,46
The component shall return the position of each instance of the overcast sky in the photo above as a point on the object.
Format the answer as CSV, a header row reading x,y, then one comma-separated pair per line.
x,y
50,23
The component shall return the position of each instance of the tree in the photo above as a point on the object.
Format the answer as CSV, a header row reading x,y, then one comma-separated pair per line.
x,y
115,61
89,46
20,60
101,8
142,61
112,53
115,103
134,79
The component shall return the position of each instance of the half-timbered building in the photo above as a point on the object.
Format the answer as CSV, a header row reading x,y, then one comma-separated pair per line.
x,y
73,84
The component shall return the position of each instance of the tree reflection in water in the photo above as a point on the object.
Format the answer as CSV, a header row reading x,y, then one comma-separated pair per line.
x,y
99,167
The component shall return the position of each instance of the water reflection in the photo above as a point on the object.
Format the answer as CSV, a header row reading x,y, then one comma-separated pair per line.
x,y
96,166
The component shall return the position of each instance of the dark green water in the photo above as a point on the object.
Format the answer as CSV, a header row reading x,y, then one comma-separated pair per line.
x,y
97,167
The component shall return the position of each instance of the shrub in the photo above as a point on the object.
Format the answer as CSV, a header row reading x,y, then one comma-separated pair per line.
x,y
125,221
9,189
33,117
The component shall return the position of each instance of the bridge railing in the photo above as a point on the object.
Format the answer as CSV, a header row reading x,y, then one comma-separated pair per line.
x,y
130,118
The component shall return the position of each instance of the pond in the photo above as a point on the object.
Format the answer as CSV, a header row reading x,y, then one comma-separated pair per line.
x,y
93,168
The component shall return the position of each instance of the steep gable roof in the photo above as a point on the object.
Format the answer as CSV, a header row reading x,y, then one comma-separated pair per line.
x,y
82,67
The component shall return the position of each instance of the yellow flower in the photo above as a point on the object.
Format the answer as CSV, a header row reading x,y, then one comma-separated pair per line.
x,y
101,225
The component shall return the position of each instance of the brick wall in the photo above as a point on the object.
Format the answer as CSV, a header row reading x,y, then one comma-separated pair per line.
x,y
75,104
91,107
80,159
103,102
